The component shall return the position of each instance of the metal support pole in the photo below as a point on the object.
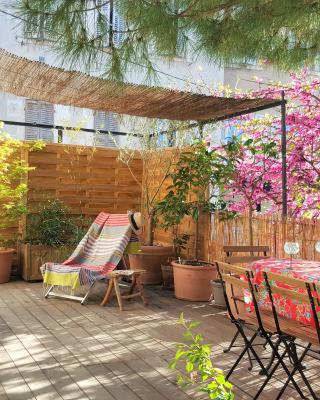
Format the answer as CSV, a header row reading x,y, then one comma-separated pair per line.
x,y
284,156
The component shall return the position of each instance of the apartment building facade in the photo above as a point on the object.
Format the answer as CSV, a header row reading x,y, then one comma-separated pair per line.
x,y
182,73
36,46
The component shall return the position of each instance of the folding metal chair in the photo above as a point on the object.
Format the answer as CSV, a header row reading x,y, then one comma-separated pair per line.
x,y
289,330
244,255
231,275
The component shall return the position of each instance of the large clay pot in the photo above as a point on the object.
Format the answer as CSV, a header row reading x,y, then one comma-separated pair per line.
x,y
192,282
158,250
151,263
6,255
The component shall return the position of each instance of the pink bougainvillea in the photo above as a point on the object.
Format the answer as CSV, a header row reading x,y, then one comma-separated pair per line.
x,y
256,156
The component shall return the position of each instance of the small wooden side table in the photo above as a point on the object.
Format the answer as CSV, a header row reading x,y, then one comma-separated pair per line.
x,y
114,278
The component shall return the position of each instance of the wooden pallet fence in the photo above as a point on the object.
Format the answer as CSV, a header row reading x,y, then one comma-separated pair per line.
x,y
88,180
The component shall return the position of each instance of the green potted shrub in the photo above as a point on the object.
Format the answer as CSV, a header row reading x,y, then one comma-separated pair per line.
x,y
13,188
193,192
158,153
51,236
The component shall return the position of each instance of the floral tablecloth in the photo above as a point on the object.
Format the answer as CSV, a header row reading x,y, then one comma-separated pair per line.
x,y
302,269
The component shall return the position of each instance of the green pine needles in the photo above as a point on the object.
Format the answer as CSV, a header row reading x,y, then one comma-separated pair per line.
x,y
122,35
193,361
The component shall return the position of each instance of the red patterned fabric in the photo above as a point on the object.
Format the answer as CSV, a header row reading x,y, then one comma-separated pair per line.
x,y
302,269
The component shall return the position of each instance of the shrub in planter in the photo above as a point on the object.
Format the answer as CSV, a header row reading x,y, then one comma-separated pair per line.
x,y
13,173
51,236
196,173
158,152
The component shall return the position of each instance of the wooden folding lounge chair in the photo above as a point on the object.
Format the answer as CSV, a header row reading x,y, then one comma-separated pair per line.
x,y
98,254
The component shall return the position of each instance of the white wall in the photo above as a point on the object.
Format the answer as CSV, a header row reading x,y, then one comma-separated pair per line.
x,y
12,107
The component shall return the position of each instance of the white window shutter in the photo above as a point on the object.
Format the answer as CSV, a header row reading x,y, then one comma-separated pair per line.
x,y
46,117
31,116
39,112
119,28
118,25
105,10
105,121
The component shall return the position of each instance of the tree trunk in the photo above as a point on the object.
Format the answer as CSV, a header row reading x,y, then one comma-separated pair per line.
x,y
250,225
196,238
150,228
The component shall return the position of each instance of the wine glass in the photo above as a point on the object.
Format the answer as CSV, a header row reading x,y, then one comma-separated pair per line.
x,y
291,248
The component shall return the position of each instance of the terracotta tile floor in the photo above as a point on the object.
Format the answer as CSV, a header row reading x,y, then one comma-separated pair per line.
x,y
59,349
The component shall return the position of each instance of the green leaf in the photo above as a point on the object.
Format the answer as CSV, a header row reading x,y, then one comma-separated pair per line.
x,y
181,320
189,366
194,324
179,354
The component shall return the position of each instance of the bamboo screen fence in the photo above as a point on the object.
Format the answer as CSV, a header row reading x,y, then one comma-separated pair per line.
x,y
268,230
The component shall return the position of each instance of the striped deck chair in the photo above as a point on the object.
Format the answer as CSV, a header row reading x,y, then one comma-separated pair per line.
x,y
97,254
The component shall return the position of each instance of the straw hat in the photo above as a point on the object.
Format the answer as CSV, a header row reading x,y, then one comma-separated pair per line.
x,y
136,221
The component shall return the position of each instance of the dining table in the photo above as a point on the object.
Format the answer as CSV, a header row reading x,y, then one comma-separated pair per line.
x,y
296,268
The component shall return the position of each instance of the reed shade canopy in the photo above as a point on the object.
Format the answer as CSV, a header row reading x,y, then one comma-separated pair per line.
x,y
40,81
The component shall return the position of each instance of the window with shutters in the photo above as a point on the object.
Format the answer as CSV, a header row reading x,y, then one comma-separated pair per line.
x,y
118,28
105,121
36,29
109,21
39,112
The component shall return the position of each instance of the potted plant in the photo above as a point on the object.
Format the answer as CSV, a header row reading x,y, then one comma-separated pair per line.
x,y
13,173
195,178
179,242
51,236
158,152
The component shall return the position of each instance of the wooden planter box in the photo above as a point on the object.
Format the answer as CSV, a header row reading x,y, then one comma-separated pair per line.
x,y
31,258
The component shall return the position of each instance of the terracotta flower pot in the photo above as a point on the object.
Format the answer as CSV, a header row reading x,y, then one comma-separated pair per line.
x,y
192,282
151,263
6,255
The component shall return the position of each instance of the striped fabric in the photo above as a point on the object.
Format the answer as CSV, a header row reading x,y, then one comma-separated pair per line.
x,y
98,252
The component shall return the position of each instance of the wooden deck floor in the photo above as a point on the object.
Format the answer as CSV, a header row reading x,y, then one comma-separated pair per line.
x,y
57,349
